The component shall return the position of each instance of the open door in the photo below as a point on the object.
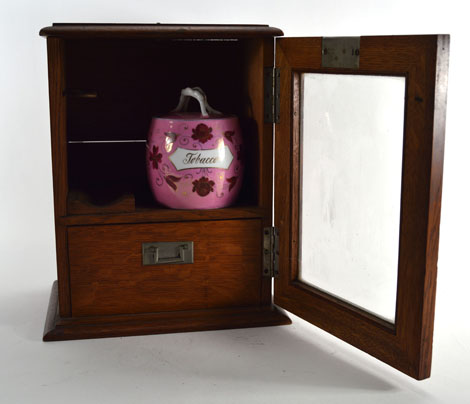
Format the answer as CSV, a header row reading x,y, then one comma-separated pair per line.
x,y
358,172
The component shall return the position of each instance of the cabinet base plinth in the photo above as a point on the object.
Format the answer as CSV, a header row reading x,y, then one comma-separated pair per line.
x,y
59,329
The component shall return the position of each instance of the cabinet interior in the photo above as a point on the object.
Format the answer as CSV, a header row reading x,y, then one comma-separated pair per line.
x,y
115,86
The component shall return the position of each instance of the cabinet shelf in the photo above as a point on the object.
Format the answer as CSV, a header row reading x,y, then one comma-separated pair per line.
x,y
126,203
107,141
150,215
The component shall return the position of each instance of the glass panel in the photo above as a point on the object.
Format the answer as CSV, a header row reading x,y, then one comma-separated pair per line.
x,y
352,143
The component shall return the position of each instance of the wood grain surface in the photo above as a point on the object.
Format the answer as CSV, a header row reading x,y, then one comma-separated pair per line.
x,y
164,31
58,329
94,98
107,275
58,119
407,344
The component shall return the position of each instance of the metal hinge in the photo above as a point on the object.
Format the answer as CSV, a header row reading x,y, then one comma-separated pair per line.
x,y
272,97
270,252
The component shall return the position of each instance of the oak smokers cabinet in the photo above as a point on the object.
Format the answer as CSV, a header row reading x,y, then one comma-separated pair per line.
x,y
106,82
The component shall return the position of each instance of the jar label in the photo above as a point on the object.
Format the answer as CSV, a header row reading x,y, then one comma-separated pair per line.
x,y
220,157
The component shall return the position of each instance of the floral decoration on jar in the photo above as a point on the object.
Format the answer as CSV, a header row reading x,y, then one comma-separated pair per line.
x,y
203,186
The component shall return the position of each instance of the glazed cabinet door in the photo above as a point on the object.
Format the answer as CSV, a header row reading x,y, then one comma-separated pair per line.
x,y
358,174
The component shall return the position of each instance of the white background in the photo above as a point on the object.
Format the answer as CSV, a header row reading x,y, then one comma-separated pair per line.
x,y
297,363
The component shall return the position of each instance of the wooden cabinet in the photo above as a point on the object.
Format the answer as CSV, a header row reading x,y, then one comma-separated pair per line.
x,y
106,81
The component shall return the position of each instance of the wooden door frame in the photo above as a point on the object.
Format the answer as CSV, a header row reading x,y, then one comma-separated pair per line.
x,y
423,60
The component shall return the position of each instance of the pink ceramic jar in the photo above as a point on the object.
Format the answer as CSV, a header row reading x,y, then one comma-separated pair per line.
x,y
194,160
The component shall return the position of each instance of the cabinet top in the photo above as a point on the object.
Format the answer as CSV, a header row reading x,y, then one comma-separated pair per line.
x,y
176,31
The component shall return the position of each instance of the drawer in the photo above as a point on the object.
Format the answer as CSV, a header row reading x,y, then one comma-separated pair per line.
x,y
107,275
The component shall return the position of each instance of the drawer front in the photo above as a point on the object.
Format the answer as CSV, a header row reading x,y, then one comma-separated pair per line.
x,y
107,274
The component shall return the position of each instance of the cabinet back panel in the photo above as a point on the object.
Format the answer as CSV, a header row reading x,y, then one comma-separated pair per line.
x,y
135,80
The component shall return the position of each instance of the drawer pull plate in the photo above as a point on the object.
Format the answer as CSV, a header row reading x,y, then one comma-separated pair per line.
x,y
171,252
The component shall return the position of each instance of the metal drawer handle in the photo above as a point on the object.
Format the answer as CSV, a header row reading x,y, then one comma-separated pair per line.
x,y
178,252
